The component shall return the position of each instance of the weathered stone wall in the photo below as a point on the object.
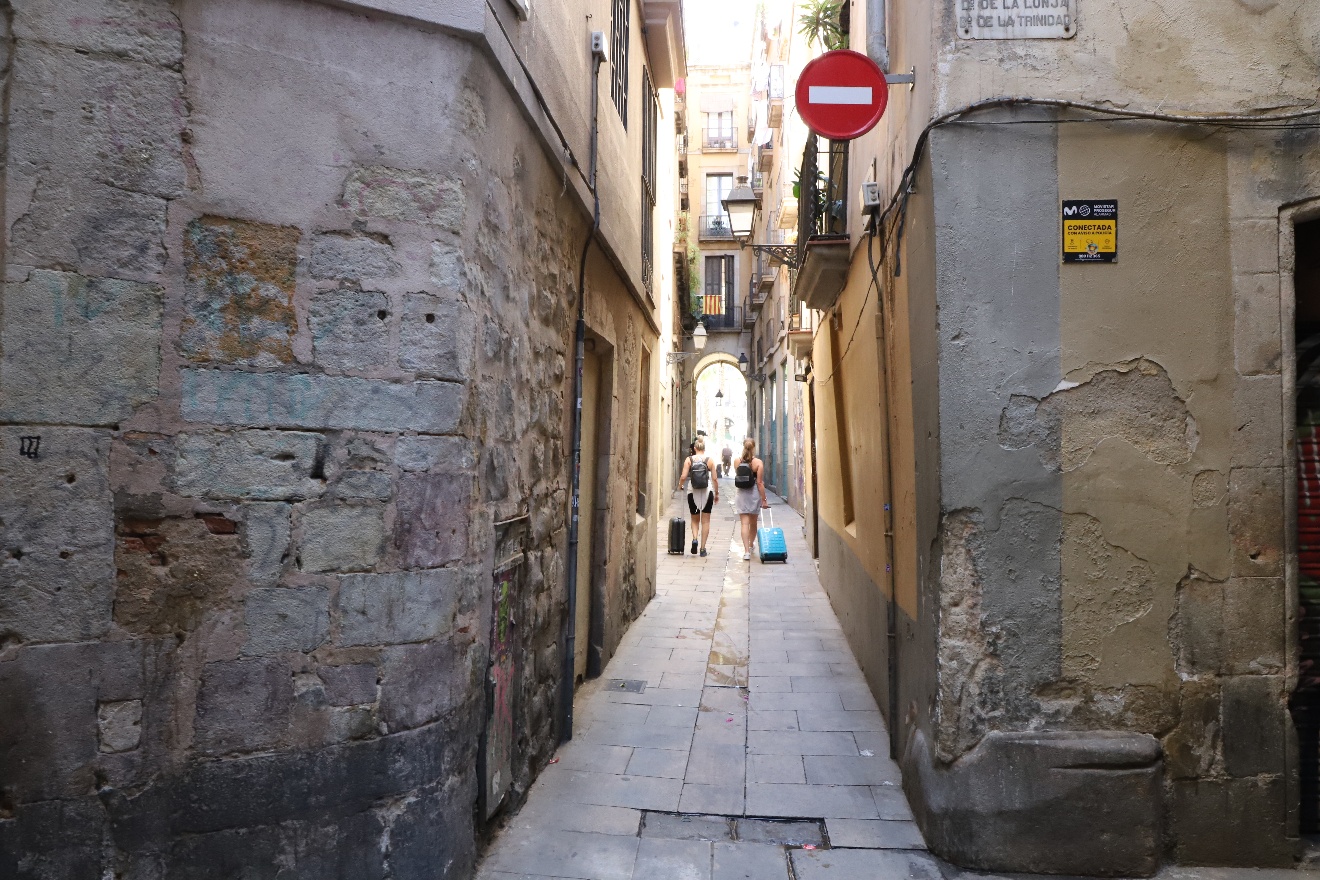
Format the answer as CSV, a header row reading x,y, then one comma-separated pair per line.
x,y
1112,552
288,309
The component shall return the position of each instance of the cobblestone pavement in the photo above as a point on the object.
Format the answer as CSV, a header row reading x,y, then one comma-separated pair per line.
x,y
732,737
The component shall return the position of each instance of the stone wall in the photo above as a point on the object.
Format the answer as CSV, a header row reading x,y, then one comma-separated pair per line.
x,y
286,332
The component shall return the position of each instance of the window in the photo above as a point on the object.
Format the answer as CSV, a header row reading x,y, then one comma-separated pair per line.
x,y
619,52
718,187
650,125
720,282
720,124
720,134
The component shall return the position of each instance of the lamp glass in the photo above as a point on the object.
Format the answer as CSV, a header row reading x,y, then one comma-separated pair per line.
x,y
741,204
699,337
742,362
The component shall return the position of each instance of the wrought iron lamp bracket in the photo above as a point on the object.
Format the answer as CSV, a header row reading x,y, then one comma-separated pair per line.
x,y
787,254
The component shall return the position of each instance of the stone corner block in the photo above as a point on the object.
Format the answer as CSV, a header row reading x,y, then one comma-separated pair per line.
x,y
316,401
286,619
350,329
238,292
349,256
398,607
119,725
436,336
440,454
1005,805
1255,521
80,350
407,196
342,538
248,465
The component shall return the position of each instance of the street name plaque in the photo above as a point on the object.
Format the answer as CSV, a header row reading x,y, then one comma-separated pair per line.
x,y
1017,19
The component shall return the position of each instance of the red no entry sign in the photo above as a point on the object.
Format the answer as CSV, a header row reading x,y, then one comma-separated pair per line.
x,y
842,94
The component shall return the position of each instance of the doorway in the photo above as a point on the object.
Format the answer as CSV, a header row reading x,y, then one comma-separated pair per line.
x,y
1305,701
586,571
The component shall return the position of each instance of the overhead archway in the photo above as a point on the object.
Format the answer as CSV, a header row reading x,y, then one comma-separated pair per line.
x,y
721,403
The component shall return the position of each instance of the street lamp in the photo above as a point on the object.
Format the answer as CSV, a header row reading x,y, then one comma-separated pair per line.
x,y
698,343
742,206
742,361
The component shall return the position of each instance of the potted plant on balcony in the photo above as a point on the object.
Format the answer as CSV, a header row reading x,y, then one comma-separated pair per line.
x,y
824,22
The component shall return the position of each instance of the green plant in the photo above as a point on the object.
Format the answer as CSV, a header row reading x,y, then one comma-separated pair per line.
x,y
820,24
694,283
818,194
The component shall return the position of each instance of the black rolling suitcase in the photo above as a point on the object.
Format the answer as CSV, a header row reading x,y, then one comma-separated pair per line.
x,y
677,530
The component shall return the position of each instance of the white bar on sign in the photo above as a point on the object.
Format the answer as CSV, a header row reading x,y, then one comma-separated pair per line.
x,y
839,94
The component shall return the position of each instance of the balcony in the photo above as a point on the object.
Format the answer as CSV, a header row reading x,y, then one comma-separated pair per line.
x,y
775,110
758,182
719,141
714,227
823,244
764,275
801,332
765,156
755,298
662,26
749,316
729,321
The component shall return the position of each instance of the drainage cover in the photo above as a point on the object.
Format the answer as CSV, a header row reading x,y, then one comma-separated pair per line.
x,y
632,686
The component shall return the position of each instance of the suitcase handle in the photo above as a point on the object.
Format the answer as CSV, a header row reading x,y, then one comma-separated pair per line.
x,y
770,517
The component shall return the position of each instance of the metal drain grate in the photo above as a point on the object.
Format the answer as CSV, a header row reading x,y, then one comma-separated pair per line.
x,y
698,826
629,685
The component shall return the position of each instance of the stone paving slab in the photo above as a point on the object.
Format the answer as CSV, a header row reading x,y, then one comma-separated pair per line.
x,y
753,710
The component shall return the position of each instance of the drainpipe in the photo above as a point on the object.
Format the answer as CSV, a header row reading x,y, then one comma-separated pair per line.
x,y
579,340
891,629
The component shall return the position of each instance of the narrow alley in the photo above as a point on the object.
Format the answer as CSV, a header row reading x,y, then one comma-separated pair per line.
x,y
731,735
351,352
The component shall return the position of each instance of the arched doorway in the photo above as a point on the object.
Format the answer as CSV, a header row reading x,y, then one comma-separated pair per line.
x,y
720,409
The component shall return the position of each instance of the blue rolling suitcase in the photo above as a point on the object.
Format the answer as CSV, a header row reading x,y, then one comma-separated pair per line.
x,y
770,541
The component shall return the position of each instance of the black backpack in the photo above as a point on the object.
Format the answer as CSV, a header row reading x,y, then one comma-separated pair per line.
x,y
744,477
699,474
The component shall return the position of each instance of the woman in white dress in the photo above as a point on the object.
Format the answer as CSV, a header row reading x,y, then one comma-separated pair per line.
x,y
749,482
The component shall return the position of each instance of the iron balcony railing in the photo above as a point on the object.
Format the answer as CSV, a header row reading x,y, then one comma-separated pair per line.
x,y
749,316
730,320
714,226
719,139
823,192
802,323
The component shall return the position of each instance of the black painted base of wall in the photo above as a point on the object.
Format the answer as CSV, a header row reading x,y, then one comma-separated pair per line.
x,y
391,807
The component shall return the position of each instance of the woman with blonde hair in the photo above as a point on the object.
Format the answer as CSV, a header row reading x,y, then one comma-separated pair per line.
x,y
749,481
703,491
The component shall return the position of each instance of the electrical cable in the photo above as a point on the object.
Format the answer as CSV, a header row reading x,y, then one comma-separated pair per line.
x,y
897,206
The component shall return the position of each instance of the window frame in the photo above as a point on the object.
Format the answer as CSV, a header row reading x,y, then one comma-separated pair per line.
x,y
620,38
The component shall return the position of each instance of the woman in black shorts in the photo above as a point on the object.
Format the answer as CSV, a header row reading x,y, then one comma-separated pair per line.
x,y
699,470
